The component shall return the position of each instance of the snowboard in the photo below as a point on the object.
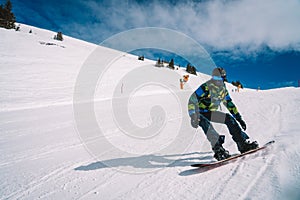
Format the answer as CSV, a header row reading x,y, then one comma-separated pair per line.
x,y
234,157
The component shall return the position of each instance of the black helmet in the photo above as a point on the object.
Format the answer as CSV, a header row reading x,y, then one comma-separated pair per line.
x,y
219,72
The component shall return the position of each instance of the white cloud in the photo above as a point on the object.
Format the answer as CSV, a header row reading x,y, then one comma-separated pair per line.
x,y
219,24
235,25
253,23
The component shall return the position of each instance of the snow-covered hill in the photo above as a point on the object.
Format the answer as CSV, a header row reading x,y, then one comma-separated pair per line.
x,y
44,154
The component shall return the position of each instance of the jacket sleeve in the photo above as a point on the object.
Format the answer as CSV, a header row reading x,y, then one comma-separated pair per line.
x,y
230,106
202,91
193,104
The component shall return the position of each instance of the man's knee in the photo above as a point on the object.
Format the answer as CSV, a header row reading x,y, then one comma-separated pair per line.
x,y
229,119
204,123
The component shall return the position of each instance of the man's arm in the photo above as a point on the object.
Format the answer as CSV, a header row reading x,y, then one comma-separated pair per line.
x,y
193,104
230,105
193,110
233,110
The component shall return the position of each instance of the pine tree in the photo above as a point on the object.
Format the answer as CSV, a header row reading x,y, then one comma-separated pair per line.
x,y
59,36
171,64
7,18
191,69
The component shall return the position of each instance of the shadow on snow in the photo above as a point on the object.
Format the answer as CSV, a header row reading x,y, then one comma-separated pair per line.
x,y
148,161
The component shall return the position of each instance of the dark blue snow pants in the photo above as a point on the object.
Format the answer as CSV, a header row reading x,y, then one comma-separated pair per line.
x,y
224,118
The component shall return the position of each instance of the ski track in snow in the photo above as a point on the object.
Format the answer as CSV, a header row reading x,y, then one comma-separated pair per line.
x,y
32,186
257,177
43,157
224,181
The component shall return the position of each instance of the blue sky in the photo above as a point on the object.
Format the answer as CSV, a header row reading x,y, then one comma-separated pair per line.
x,y
257,42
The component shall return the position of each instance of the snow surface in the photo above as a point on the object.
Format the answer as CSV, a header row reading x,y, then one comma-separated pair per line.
x,y
44,154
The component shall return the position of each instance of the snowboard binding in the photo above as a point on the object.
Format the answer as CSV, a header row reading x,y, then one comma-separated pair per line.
x,y
220,152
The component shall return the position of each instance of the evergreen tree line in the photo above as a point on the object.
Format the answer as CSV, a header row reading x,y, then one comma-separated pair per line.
x,y
7,18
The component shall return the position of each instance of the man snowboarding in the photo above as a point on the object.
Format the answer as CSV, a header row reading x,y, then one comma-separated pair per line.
x,y
203,109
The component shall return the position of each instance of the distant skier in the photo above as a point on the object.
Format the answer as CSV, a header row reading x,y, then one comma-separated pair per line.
x,y
203,106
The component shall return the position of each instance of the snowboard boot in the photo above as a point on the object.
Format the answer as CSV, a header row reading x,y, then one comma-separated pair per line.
x,y
220,152
246,146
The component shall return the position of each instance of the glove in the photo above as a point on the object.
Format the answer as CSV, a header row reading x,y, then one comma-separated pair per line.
x,y
242,123
194,120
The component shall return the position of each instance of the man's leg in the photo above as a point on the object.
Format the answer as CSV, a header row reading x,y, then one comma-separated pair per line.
x,y
211,134
214,138
234,129
239,136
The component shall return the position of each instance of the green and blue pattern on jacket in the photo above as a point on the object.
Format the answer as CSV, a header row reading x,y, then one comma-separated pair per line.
x,y
209,96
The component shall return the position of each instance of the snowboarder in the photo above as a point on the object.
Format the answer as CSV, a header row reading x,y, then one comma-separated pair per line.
x,y
203,109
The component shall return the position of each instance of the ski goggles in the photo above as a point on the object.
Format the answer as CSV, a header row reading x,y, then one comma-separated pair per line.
x,y
217,78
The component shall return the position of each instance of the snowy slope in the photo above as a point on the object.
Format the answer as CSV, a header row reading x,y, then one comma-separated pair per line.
x,y
43,155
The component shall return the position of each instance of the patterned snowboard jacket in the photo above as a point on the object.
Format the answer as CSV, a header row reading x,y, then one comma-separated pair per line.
x,y
209,96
